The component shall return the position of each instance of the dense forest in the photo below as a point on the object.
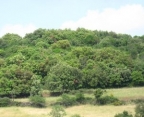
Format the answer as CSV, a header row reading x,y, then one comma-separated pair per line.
x,y
64,60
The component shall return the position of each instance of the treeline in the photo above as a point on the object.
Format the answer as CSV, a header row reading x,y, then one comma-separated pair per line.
x,y
64,60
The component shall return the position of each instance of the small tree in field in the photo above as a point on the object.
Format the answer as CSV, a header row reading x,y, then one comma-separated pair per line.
x,y
139,110
38,101
98,93
57,111
124,114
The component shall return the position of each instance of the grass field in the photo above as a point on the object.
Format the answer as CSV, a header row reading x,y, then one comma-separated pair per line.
x,y
135,93
83,110
124,93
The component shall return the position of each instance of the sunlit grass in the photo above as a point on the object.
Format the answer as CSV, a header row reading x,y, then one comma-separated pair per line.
x,y
23,112
83,110
122,93
127,93
99,111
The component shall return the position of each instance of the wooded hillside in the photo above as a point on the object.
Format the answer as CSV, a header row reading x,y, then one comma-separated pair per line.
x,y
63,60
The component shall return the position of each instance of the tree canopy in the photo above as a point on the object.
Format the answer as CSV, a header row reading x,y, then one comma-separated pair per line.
x,y
66,60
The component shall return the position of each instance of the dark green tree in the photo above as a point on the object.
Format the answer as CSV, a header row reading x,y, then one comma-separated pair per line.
x,y
63,77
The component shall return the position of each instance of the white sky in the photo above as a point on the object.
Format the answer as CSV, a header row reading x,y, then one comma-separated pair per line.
x,y
126,19
121,16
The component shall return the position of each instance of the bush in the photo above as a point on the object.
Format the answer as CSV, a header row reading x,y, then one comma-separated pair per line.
x,y
57,111
124,114
67,100
138,101
107,100
89,100
139,110
98,93
80,98
37,101
76,115
118,103
5,101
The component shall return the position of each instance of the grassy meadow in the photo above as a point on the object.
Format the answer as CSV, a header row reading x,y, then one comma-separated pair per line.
x,y
127,93
83,110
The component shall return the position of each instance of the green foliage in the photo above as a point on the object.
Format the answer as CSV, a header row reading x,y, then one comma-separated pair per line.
x,y
5,101
138,101
98,93
80,97
66,60
76,115
42,44
5,84
38,101
9,40
57,111
63,77
2,53
124,114
17,59
67,101
102,100
139,110
137,78
36,86
64,44
118,102
141,55
107,100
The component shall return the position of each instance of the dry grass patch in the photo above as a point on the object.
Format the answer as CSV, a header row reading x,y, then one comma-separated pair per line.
x,y
24,112
22,99
83,110
99,111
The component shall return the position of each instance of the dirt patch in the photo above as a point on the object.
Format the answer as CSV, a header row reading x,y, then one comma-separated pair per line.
x,y
131,98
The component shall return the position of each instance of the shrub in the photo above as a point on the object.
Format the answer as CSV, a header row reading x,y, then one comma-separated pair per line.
x,y
118,103
124,114
57,111
37,101
76,115
5,101
139,110
138,101
98,93
107,100
80,98
89,100
67,100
